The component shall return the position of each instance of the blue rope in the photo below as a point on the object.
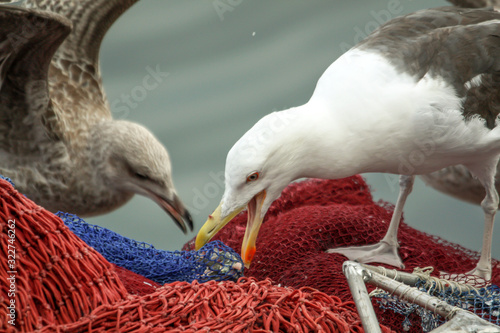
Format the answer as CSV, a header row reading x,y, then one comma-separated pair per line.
x,y
214,261
7,179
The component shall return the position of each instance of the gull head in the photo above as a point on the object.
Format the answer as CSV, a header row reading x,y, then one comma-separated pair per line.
x,y
258,167
129,159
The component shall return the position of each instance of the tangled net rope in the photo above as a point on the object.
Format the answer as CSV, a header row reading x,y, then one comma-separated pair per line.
x,y
233,307
60,283
315,215
215,261
50,271
483,302
57,283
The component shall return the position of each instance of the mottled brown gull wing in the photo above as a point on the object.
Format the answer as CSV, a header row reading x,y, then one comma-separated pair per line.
x,y
91,20
28,40
462,46
75,67
475,3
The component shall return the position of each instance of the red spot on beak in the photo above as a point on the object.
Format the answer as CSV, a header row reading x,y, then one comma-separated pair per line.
x,y
249,256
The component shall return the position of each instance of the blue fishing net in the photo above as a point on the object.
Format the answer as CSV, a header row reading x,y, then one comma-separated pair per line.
x,y
7,179
484,302
214,261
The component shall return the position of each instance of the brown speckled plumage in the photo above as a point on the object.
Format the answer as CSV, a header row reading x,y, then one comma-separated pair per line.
x,y
58,141
475,3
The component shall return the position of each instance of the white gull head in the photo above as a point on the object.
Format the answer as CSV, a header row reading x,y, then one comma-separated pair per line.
x,y
266,158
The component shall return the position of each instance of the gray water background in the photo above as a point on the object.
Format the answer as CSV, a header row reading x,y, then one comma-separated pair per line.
x,y
229,63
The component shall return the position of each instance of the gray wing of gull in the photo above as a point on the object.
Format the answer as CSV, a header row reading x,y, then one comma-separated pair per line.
x,y
452,43
28,40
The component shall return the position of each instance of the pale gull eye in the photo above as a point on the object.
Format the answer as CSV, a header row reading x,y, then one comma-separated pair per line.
x,y
253,176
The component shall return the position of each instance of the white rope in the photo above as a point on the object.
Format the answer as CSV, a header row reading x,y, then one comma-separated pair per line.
x,y
433,283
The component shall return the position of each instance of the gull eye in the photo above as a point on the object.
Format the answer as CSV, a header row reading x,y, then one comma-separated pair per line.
x,y
141,176
253,176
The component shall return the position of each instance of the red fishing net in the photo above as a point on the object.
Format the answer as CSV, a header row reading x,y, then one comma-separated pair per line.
x,y
51,281
51,271
246,305
313,216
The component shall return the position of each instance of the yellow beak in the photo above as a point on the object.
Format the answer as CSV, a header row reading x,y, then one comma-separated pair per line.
x,y
214,224
254,222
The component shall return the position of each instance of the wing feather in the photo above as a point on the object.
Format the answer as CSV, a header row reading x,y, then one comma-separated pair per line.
x,y
75,68
28,40
461,46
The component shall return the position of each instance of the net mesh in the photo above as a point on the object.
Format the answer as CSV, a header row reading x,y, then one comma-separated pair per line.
x,y
62,284
484,302
47,272
247,305
215,261
315,215
55,282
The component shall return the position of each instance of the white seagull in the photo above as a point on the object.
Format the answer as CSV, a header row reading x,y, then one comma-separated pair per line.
x,y
419,94
58,140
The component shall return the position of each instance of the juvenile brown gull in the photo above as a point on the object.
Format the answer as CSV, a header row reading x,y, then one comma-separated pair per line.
x,y
409,85
58,141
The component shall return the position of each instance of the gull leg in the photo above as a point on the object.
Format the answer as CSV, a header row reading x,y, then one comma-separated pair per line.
x,y
386,251
490,205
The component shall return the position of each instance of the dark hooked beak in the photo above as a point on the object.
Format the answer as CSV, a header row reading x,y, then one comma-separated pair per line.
x,y
175,208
